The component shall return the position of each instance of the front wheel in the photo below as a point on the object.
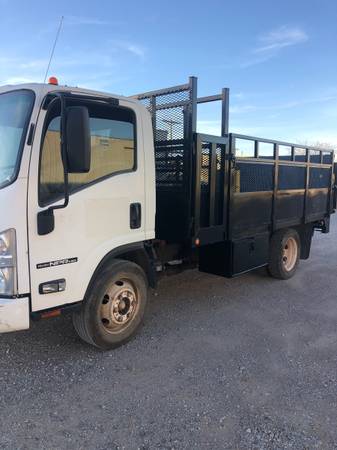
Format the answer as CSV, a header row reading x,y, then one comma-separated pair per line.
x,y
114,306
284,254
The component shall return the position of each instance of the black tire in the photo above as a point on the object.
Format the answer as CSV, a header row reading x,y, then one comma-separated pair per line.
x,y
121,283
279,266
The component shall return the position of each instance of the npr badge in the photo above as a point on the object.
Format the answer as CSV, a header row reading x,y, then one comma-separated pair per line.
x,y
58,262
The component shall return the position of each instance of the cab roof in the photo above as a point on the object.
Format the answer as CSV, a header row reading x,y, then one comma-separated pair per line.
x,y
42,89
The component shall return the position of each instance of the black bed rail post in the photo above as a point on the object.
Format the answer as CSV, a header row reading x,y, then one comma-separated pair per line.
x,y
256,148
227,153
292,153
193,83
307,179
197,182
332,188
275,190
212,183
231,184
190,128
153,106
224,111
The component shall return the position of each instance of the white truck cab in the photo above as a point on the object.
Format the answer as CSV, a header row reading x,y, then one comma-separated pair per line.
x,y
112,200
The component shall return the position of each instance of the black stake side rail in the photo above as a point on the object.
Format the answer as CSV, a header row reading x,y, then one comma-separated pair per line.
x,y
217,232
277,160
258,140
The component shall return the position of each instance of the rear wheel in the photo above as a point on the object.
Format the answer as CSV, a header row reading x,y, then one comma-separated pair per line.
x,y
114,306
284,254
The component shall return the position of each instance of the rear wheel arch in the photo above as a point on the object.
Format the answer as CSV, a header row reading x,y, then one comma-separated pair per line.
x,y
305,233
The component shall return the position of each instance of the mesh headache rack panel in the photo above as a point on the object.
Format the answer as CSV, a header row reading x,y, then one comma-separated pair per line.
x,y
171,110
174,122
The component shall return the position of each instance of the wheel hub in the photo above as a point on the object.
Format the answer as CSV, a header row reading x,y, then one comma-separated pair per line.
x,y
289,256
118,306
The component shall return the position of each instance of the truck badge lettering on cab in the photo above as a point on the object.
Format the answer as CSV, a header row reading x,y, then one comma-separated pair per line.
x,y
58,262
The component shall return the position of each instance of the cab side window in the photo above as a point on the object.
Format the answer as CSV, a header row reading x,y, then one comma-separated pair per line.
x,y
113,151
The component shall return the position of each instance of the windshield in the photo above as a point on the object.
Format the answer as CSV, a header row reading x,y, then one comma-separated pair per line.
x,y
15,110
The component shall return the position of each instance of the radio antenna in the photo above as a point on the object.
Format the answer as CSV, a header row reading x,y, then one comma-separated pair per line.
x,y
53,49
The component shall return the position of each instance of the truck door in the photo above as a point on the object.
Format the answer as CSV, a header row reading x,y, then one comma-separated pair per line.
x,y
106,206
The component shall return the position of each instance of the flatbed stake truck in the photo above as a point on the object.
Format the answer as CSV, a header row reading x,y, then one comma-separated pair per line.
x,y
100,194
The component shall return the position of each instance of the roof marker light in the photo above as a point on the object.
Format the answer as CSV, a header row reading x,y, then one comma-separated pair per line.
x,y
53,80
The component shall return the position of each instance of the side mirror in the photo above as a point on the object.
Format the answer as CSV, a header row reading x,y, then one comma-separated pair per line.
x,y
78,143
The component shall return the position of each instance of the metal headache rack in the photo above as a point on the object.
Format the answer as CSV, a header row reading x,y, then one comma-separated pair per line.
x,y
174,120
216,188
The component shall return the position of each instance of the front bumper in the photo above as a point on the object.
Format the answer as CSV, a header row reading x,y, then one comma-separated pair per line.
x,y
14,314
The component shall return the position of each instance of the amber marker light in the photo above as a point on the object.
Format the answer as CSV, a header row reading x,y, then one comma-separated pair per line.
x,y
49,314
53,80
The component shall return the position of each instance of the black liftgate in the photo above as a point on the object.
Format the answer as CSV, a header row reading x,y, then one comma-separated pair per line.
x,y
227,194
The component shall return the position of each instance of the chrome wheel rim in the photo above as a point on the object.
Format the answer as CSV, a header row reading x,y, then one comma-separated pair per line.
x,y
119,306
289,256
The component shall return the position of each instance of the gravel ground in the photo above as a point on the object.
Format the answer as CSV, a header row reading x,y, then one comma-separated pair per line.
x,y
248,363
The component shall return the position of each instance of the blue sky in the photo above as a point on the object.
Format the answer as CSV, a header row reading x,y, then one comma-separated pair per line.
x,y
279,58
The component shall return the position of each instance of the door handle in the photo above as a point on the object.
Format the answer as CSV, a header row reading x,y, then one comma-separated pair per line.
x,y
135,215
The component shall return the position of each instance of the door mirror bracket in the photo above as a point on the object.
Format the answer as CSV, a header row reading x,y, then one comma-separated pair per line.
x,y
75,151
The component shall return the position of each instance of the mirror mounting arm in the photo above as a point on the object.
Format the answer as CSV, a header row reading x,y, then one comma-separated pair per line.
x,y
64,152
46,219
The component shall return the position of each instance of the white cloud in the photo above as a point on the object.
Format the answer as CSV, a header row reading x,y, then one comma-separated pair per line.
x,y
254,61
325,138
279,38
272,42
319,99
114,57
75,21
6,60
17,80
241,109
212,127
79,20
130,47
238,95
136,50
37,64
292,133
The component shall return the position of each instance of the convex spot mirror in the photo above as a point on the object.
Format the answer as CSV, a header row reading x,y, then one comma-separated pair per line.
x,y
78,141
